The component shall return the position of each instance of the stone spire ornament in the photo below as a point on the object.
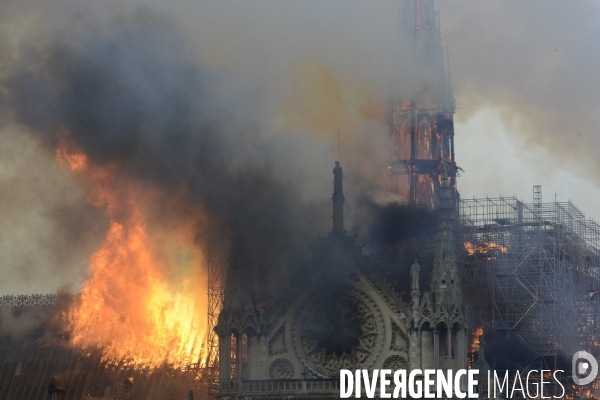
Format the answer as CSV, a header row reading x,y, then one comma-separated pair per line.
x,y
338,199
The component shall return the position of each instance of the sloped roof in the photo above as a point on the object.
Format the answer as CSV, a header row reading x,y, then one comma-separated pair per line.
x,y
28,368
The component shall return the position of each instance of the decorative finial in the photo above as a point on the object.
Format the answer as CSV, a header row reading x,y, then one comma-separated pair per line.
x,y
338,199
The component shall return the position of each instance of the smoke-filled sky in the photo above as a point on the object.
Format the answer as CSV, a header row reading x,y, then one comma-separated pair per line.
x,y
181,94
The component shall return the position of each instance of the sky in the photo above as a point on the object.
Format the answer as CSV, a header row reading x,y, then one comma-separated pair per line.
x,y
524,76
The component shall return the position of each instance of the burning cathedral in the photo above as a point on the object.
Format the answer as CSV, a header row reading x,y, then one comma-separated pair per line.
x,y
348,316
527,274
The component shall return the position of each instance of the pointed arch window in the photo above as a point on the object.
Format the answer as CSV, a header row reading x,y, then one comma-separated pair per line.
x,y
233,356
244,341
424,140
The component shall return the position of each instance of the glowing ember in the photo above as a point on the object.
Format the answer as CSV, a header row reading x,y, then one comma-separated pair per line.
x,y
139,303
471,248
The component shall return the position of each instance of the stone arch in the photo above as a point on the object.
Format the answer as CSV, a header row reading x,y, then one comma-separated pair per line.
x,y
444,334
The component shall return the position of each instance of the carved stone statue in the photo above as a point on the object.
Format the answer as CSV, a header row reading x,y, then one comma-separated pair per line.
x,y
337,181
415,271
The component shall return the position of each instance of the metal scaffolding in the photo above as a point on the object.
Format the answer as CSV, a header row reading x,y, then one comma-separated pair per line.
x,y
217,253
537,267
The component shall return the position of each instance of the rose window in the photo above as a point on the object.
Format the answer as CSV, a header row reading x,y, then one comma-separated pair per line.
x,y
338,331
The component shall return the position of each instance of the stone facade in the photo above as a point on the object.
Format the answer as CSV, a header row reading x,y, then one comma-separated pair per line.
x,y
348,317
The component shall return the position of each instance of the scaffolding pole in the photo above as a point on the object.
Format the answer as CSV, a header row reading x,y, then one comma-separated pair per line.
x,y
217,266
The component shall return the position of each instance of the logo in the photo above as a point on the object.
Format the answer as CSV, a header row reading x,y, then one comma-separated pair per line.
x,y
581,368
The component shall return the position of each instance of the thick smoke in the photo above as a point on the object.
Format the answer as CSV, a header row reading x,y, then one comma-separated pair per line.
x,y
41,323
399,234
135,93
47,229
182,96
132,99
302,70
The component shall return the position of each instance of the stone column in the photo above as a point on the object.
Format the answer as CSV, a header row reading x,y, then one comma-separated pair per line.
x,y
253,344
415,350
238,343
427,355
463,347
224,361
449,342
436,348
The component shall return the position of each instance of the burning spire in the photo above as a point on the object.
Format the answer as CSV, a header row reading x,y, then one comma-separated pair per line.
x,y
421,110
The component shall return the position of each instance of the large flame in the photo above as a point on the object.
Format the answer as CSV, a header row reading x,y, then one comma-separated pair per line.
x,y
474,346
143,301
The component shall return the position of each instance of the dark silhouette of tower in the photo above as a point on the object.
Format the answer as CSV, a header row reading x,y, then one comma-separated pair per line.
x,y
421,110
338,199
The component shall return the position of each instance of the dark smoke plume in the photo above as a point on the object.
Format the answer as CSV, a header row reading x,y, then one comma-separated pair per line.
x,y
37,324
132,97
399,234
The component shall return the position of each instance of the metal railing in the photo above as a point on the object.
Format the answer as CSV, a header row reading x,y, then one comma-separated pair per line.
x,y
282,385
27,300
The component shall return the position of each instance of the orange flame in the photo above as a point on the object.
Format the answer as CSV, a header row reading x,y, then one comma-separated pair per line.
x,y
68,153
135,304
484,248
475,343
474,347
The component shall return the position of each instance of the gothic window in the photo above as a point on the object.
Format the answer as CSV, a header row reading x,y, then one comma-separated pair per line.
x,y
244,349
444,345
438,144
233,356
424,140
403,147
455,334
339,329
425,190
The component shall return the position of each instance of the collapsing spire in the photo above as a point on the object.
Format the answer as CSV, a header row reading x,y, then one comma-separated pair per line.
x,y
338,199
